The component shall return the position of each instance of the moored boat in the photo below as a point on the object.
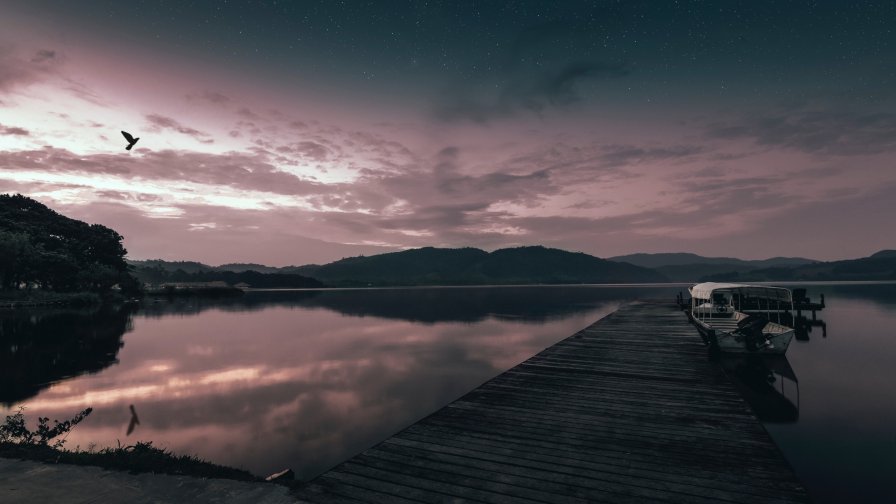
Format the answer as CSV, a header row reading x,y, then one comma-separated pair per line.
x,y
741,318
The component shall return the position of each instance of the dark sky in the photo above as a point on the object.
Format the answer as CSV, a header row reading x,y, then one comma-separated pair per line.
x,y
607,127
754,49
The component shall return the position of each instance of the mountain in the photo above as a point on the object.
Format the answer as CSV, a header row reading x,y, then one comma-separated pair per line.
x,y
471,266
688,259
672,259
241,267
198,267
158,271
171,266
687,267
878,266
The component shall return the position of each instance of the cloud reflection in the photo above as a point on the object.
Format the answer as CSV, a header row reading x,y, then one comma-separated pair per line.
x,y
289,384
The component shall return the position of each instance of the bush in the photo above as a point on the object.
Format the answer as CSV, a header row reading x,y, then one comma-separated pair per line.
x,y
17,441
15,430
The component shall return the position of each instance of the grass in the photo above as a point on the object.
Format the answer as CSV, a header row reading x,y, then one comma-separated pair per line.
x,y
142,457
45,444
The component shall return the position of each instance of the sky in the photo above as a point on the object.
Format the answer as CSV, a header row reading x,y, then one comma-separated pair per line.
x,y
303,132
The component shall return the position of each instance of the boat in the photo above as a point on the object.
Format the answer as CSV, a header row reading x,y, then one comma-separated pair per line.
x,y
741,318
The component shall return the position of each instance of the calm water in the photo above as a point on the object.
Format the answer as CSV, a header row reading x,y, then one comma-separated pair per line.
x,y
307,379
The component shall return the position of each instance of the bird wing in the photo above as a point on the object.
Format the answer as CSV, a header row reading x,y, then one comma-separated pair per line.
x,y
128,137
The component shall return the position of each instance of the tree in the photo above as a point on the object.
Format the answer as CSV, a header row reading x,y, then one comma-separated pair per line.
x,y
16,258
42,248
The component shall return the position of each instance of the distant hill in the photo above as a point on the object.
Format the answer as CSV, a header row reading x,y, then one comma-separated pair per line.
x,y
687,267
471,266
672,259
158,271
878,266
688,259
240,267
527,265
185,266
197,267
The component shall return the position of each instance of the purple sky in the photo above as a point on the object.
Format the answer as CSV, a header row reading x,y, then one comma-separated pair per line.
x,y
288,135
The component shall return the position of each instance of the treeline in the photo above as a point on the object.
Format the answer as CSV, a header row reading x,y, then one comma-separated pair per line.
x,y
42,249
156,275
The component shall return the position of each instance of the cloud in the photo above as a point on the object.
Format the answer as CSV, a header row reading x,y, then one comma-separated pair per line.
x,y
212,97
241,171
247,113
43,55
623,155
816,132
162,122
558,87
535,72
306,149
531,90
13,131
17,71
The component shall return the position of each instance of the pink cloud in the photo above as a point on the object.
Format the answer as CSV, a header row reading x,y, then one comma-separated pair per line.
x,y
160,122
20,70
13,131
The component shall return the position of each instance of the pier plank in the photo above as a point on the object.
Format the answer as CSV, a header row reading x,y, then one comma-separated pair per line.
x,y
628,409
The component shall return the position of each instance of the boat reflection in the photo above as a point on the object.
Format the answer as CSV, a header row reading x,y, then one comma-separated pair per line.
x,y
767,383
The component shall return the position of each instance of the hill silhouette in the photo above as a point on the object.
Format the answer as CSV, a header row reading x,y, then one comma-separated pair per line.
x,y
471,266
157,272
439,266
539,265
686,259
687,267
878,266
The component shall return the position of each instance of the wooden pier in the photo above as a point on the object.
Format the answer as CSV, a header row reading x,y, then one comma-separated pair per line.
x,y
627,410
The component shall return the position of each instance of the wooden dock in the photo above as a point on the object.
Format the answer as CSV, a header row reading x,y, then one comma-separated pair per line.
x,y
627,410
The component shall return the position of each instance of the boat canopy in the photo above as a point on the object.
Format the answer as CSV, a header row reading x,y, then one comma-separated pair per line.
x,y
705,290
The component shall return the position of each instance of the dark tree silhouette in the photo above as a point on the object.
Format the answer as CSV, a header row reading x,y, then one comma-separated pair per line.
x,y
43,249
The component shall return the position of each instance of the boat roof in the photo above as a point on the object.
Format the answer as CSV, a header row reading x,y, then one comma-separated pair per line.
x,y
705,290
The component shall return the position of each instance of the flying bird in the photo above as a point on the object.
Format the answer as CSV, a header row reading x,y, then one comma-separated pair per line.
x,y
134,420
131,140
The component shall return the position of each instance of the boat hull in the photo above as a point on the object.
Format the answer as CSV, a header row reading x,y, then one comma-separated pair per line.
x,y
736,343
729,342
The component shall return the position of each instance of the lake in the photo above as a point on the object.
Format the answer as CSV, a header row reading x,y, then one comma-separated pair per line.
x,y
306,379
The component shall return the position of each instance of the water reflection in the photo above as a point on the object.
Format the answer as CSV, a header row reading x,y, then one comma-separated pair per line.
x,y
41,347
428,305
306,379
768,383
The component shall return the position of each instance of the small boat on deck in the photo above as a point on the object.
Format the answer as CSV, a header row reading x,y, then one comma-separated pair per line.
x,y
741,318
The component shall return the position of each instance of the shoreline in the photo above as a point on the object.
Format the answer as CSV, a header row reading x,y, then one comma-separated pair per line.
x,y
36,299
